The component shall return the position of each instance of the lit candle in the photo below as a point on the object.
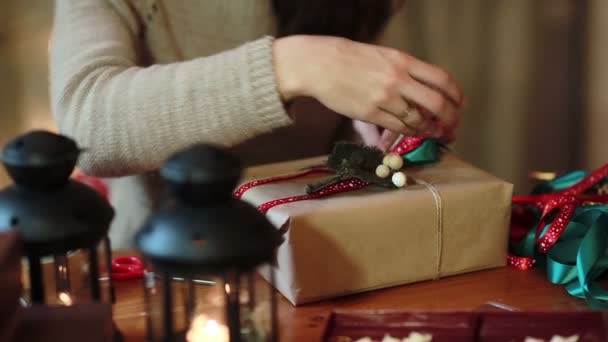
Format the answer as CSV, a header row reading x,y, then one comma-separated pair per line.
x,y
207,330
65,299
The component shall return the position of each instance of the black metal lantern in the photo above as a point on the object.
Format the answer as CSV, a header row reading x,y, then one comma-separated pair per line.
x,y
56,218
204,248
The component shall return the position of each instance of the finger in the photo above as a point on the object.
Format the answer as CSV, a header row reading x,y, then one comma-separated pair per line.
x,y
429,74
394,103
404,110
410,116
431,100
457,118
437,78
387,140
429,121
445,136
437,131
433,126
413,118
389,121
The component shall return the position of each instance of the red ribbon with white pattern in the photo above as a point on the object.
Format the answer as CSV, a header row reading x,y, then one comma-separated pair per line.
x,y
565,202
406,145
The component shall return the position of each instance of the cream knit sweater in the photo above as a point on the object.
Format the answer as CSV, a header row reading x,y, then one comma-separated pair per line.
x,y
134,81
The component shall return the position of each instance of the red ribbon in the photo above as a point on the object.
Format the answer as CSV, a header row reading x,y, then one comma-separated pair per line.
x,y
241,190
406,145
95,183
126,268
565,202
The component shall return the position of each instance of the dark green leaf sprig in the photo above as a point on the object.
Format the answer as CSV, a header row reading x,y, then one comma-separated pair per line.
x,y
351,160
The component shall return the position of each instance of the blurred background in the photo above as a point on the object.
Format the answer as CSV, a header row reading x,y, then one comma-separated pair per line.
x,y
534,72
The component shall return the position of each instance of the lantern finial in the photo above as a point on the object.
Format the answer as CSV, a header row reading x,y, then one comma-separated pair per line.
x,y
203,174
40,159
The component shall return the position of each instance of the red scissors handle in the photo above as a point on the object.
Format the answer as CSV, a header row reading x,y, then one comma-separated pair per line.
x,y
125,268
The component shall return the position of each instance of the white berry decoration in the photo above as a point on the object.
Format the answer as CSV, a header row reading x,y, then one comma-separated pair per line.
x,y
417,337
399,179
383,171
385,159
557,338
394,161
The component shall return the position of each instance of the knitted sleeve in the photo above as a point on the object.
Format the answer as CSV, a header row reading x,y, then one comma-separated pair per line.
x,y
131,118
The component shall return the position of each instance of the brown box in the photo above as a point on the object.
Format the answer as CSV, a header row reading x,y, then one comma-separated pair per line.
x,y
375,238
460,326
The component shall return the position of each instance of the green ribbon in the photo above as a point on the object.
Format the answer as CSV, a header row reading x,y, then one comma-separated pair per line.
x,y
426,153
580,256
560,183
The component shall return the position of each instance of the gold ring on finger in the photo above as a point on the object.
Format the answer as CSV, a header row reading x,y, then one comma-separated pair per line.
x,y
408,110
409,113
414,130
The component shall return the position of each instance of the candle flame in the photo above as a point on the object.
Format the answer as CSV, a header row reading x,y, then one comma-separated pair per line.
x,y
212,328
65,299
204,330
227,288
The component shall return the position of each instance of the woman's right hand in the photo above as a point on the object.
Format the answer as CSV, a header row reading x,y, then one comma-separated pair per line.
x,y
370,83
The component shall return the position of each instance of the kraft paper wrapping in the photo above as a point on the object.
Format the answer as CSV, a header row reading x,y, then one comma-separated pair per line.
x,y
376,238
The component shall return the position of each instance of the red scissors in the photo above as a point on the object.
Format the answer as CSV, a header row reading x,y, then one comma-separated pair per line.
x,y
126,268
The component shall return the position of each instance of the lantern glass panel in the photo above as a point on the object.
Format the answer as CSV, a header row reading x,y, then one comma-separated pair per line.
x,y
209,309
68,278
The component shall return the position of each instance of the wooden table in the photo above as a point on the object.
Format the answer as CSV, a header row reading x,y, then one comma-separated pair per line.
x,y
523,290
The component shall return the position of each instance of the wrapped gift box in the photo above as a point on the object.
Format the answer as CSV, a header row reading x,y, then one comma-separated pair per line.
x,y
456,222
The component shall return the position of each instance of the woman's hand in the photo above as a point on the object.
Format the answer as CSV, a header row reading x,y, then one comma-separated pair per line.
x,y
365,82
